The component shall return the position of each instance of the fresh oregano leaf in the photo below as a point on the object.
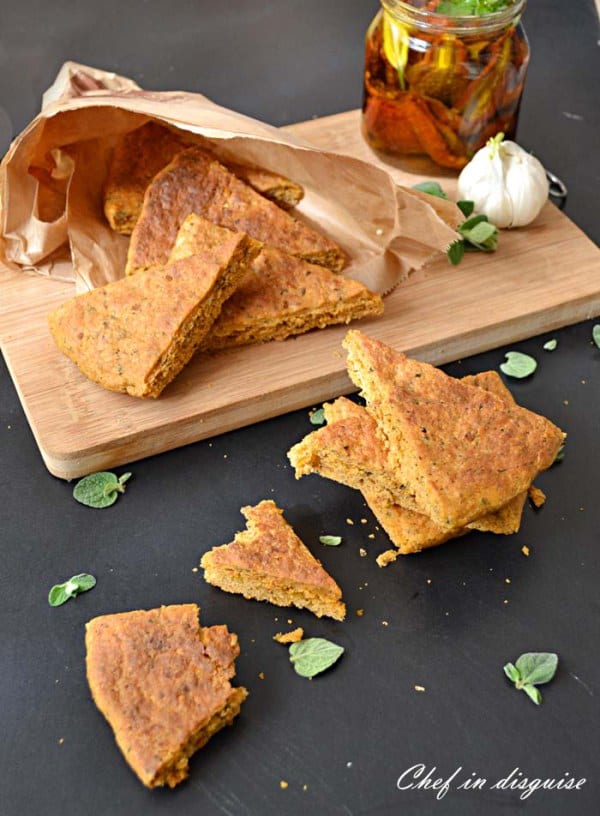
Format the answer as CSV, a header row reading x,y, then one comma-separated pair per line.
x,y
317,417
480,233
100,489
430,187
60,593
518,365
531,669
471,223
455,251
512,672
536,667
596,334
560,455
533,693
466,207
550,345
313,655
330,541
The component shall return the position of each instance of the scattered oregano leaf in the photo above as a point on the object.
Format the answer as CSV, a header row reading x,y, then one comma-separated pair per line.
x,y
518,365
550,345
60,593
560,455
596,335
317,417
100,489
466,207
430,187
476,233
330,541
313,655
530,670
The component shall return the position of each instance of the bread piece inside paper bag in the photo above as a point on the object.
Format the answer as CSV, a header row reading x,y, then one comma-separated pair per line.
x,y
52,180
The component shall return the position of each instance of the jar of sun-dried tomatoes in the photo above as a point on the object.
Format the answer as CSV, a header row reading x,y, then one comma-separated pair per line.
x,y
442,76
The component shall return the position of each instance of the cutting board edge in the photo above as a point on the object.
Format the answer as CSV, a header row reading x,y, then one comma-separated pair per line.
x,y
72,464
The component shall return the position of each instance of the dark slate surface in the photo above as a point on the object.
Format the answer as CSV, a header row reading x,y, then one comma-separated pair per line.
x,y
348,735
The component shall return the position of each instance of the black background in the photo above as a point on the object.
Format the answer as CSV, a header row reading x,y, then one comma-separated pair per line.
x,y
349,734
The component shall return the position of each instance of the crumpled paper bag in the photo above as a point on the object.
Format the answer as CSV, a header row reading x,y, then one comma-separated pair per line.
x,y
52,177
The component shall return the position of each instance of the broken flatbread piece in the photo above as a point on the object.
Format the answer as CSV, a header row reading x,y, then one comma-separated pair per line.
x,y
195,182
163,684
460,450
279,297
145,151
136,334
268,562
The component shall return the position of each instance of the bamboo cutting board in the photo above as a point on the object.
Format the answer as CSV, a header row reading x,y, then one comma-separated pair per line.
x,y
541,278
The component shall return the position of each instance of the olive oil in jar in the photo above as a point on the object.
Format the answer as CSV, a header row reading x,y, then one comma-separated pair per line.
x,y
440,83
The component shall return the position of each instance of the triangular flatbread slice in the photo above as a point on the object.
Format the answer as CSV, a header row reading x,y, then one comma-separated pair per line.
x,y
348,450
145,151
279,297
136,334
163,684
268,562
195,182
458,449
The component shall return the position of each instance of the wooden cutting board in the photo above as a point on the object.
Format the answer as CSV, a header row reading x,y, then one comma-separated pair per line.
x,y
541,278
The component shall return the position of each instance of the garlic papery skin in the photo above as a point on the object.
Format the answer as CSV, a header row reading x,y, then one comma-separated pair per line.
x,y
505,183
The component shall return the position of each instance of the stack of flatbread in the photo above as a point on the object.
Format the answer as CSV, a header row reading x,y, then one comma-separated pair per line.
x,y
215,259
434,457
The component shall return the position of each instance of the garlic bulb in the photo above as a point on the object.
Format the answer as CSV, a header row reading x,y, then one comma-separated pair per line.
x,y
505,183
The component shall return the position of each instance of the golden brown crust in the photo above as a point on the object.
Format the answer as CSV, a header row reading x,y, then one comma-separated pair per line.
x,y
268,561
162,683
280,296
279,189
194,182
349,450
410,532
145,151
136,334
459,449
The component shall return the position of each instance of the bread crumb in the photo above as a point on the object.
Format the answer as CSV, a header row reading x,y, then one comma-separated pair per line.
x,y
371,535
525,549
289,637
283,784
290,621
419,688
61,741
349,521
360,612
261,675
363,521
505,601
565,402
304,787
507,580
386,558
537,496
362,552
194,569
429,580
384,623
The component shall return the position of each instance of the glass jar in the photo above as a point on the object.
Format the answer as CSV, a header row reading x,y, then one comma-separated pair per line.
x,y
441,85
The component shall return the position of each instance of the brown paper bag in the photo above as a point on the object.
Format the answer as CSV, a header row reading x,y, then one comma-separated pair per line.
x,y
51,182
